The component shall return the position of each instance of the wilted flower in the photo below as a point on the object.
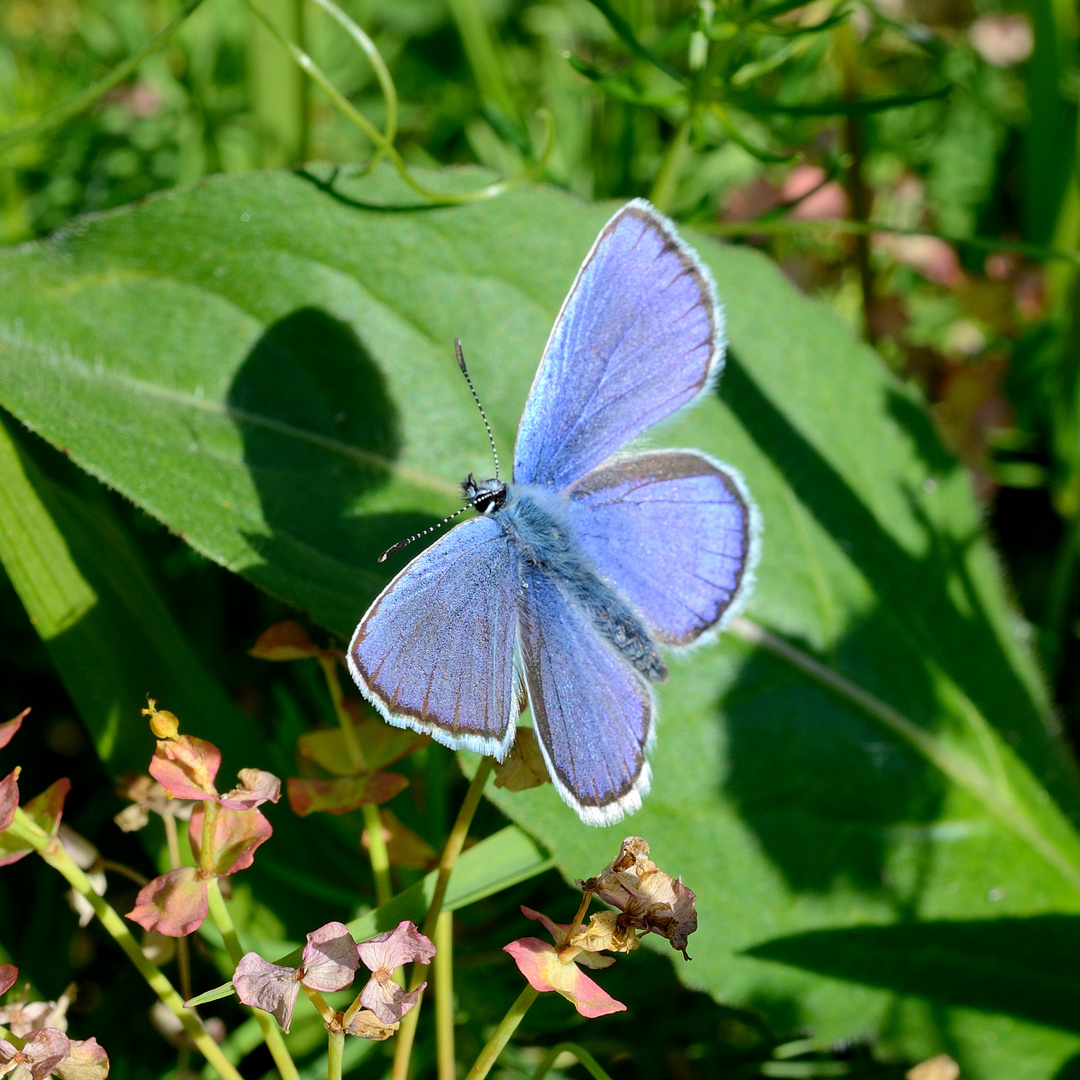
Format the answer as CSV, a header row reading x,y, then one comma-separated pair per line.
x,y
42,1052
382,956
555,967
329,963
176,903
646,897
22,1018
147,796
187,766
1001,39
50,1052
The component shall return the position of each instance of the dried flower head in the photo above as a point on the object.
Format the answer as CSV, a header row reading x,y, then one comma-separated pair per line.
x,y
646,897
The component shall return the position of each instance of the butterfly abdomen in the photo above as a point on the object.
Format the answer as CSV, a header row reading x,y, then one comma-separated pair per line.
x,y
534,520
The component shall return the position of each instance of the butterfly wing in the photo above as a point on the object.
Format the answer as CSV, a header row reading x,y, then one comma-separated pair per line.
x,y
435,651
639,335
675,532
592,712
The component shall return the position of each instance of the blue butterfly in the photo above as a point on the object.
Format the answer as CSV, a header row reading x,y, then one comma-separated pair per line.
x,y
573,577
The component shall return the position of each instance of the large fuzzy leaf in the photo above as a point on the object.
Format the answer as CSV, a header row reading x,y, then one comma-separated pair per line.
x,y
265,364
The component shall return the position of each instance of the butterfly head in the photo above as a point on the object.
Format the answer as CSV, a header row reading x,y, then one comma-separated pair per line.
x,y
486,496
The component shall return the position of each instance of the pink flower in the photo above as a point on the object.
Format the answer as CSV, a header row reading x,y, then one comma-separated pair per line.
x,y
546,970
329,963
176,903
382,956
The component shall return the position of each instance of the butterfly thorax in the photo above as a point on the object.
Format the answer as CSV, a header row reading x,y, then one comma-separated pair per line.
x,y
535,519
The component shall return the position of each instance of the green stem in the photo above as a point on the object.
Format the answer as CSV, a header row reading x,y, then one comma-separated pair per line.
x,y
54,117
483,58
454,843
333,1055
329,667
52,851
275,1041
376,137
667,178
586,1059
443,979
303,105
183,955
497,1043
380,857
378,65
1001,803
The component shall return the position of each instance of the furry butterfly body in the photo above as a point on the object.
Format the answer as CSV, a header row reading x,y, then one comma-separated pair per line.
x,y
573,576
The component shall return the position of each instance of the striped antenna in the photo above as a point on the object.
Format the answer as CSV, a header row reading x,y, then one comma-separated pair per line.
x,y
476,398
431,528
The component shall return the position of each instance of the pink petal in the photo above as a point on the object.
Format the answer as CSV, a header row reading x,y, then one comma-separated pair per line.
x,y
9,798
237,833
267,986
256,787
186,767
402,945
8,974
88,1061
330,958
10,727
558,931
174,904
540,964
387,1000
41,1053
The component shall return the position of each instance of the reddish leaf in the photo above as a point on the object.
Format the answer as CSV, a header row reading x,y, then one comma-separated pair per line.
x,y
379,743
10,727
9,798
237,833
8,974
174,904
44,810
284,641
186,767
406,849
340,796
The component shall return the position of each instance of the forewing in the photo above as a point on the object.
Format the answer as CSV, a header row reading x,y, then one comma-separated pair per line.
x,y
639,335
675,532
592,712
435,652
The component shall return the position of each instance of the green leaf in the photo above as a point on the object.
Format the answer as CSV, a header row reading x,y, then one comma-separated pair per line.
x,y
264,362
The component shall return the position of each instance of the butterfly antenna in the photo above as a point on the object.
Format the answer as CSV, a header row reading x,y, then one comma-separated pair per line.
x,y
430,529
476,398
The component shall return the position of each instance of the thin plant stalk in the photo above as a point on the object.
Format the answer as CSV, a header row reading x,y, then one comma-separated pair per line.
x,y
380,857
82,101
377,852
454,843
585,1059
52,851
502,1034
443,980
335,1050
858,194
376,137
666,183
183,955
275,1041
378,65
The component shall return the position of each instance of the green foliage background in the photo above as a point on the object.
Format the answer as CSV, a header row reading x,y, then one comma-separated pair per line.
x,y
251,375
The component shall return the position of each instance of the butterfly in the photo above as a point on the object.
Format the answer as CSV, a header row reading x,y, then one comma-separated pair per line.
x,y
571,579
